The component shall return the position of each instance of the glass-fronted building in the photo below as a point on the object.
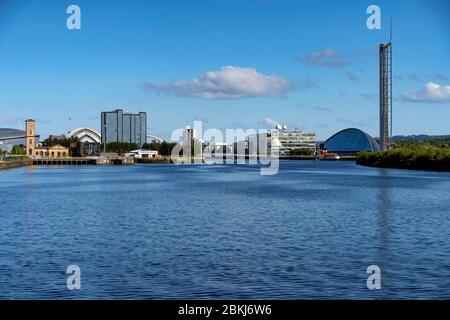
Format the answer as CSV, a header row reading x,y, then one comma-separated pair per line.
x,y
350,141
120,126
281,142
89,149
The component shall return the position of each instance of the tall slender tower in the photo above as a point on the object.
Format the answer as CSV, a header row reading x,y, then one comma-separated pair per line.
x,y
386,92
30,140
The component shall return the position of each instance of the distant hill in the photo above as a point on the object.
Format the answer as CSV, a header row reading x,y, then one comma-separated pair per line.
x,y
420,137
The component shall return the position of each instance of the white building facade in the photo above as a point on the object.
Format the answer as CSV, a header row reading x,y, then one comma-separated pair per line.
x,y
281,142
141,153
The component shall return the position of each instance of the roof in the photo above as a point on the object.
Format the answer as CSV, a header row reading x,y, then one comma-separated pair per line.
x,y
143,151
85,134
10,134
152,137
9,131
351,140
55,146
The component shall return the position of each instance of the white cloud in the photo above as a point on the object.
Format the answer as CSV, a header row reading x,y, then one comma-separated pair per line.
x,y
227,83
431,92
271,123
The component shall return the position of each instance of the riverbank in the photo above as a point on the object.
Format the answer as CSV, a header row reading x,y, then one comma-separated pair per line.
x,y
15,164
417,158
153,160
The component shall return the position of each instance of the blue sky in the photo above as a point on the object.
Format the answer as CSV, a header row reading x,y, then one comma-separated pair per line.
x,y
311,65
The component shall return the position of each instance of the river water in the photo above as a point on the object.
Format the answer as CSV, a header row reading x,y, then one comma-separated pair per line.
x,y
224,232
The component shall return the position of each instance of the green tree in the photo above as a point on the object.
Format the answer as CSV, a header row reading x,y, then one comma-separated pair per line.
x,y
120,147
18,150
434,142
422,156
164,148
66,142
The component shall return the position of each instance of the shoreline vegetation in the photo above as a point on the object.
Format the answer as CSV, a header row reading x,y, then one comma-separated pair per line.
x,y
413,157
11,164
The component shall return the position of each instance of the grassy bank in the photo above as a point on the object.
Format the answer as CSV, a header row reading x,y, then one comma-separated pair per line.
x,y
417,158
13,158
10,164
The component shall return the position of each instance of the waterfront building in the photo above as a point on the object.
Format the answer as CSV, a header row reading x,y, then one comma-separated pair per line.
x,y
123,126
142,153
35,151
281,142
89,142
192,145
85,135
89,149
190,135
30,137
55,151
350,141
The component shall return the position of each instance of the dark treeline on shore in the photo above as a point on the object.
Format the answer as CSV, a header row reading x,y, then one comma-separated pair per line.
x,y
422,156
119,147
164,148
433,142
65,142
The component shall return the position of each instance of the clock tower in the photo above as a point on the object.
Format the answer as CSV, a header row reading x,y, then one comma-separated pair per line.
x,y
30,142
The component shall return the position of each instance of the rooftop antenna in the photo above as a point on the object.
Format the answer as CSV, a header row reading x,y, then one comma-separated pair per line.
x,y
390,30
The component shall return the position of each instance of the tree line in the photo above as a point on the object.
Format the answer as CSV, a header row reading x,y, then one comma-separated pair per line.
x,y
164,148
420,157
